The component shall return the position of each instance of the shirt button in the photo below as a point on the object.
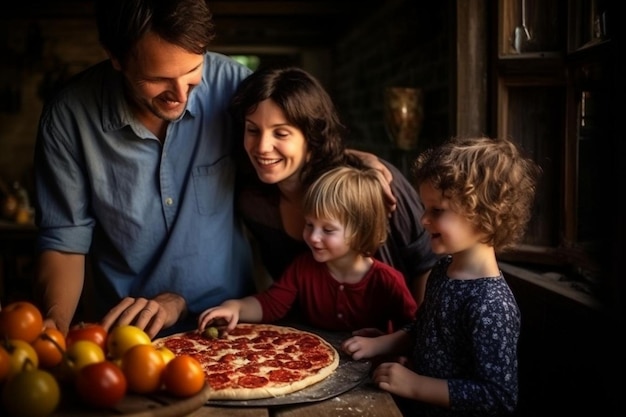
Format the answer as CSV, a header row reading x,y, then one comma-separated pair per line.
x,y
341,288
339,315
169,201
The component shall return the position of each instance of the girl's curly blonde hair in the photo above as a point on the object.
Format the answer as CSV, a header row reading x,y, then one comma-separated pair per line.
x,y
487,180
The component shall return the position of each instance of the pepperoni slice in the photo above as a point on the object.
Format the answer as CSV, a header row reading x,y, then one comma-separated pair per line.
x,y
316,357
252,381
240,345
297,365
269,333
178,344
249,369
291,349
283,356
272,363
241,331
218,381
283,375
218,367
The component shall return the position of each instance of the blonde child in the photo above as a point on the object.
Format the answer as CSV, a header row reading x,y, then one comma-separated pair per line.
x,y
462,347
337,285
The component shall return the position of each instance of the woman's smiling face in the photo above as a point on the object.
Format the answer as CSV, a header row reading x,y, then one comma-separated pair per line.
x,y
277,149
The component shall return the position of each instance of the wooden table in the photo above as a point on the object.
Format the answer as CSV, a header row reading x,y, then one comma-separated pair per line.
x,y
366,400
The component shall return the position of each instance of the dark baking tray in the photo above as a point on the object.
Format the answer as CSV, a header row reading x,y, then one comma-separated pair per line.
x,y
348,375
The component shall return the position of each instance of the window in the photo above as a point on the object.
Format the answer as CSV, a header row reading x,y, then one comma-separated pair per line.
x,y
552,84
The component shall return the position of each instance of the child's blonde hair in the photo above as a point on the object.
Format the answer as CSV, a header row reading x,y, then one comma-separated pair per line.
x,y
487,180
354,197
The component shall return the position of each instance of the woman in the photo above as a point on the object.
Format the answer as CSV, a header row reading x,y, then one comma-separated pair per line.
x,y
292,135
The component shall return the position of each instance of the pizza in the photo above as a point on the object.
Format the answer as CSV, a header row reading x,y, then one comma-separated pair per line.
x,y
257,360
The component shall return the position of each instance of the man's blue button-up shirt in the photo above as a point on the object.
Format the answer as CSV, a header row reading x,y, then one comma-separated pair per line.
x,y
153,217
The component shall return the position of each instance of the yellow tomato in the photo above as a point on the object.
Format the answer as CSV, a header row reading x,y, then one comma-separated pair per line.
x,y
22,356
167,354
82,353
31,393
122,338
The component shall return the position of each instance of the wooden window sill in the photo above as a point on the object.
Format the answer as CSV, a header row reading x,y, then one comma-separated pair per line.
x,y
551,281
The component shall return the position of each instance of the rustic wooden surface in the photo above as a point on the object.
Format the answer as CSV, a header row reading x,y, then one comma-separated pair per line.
x,y
363,401
136,406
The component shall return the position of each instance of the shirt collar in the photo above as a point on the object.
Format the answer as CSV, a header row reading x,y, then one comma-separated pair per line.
x,y
116,112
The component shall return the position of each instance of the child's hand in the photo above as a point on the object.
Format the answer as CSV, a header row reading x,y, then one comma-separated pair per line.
x,y
395,378
226,313
359,347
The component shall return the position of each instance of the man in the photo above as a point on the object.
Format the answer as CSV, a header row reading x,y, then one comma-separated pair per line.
x,y
134,167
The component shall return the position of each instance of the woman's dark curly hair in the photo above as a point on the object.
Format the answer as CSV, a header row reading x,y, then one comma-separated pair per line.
x,y
487,180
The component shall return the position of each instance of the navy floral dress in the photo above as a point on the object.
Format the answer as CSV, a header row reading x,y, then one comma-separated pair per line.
x,y
467,332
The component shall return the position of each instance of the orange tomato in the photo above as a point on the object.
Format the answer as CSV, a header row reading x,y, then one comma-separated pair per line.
x,y
142,366
183,376
50,346
20,320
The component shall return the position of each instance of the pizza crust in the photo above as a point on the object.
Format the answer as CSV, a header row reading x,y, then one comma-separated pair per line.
x,y
234,352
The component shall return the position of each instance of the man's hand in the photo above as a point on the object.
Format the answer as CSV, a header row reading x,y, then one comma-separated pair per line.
x,y
153,315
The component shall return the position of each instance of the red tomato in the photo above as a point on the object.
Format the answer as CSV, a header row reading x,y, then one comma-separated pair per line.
x,y
21,320
142,366
101,384
93,332
183,376
50,346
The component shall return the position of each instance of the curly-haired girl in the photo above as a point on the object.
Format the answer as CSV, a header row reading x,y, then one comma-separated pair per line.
x,y
462,348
